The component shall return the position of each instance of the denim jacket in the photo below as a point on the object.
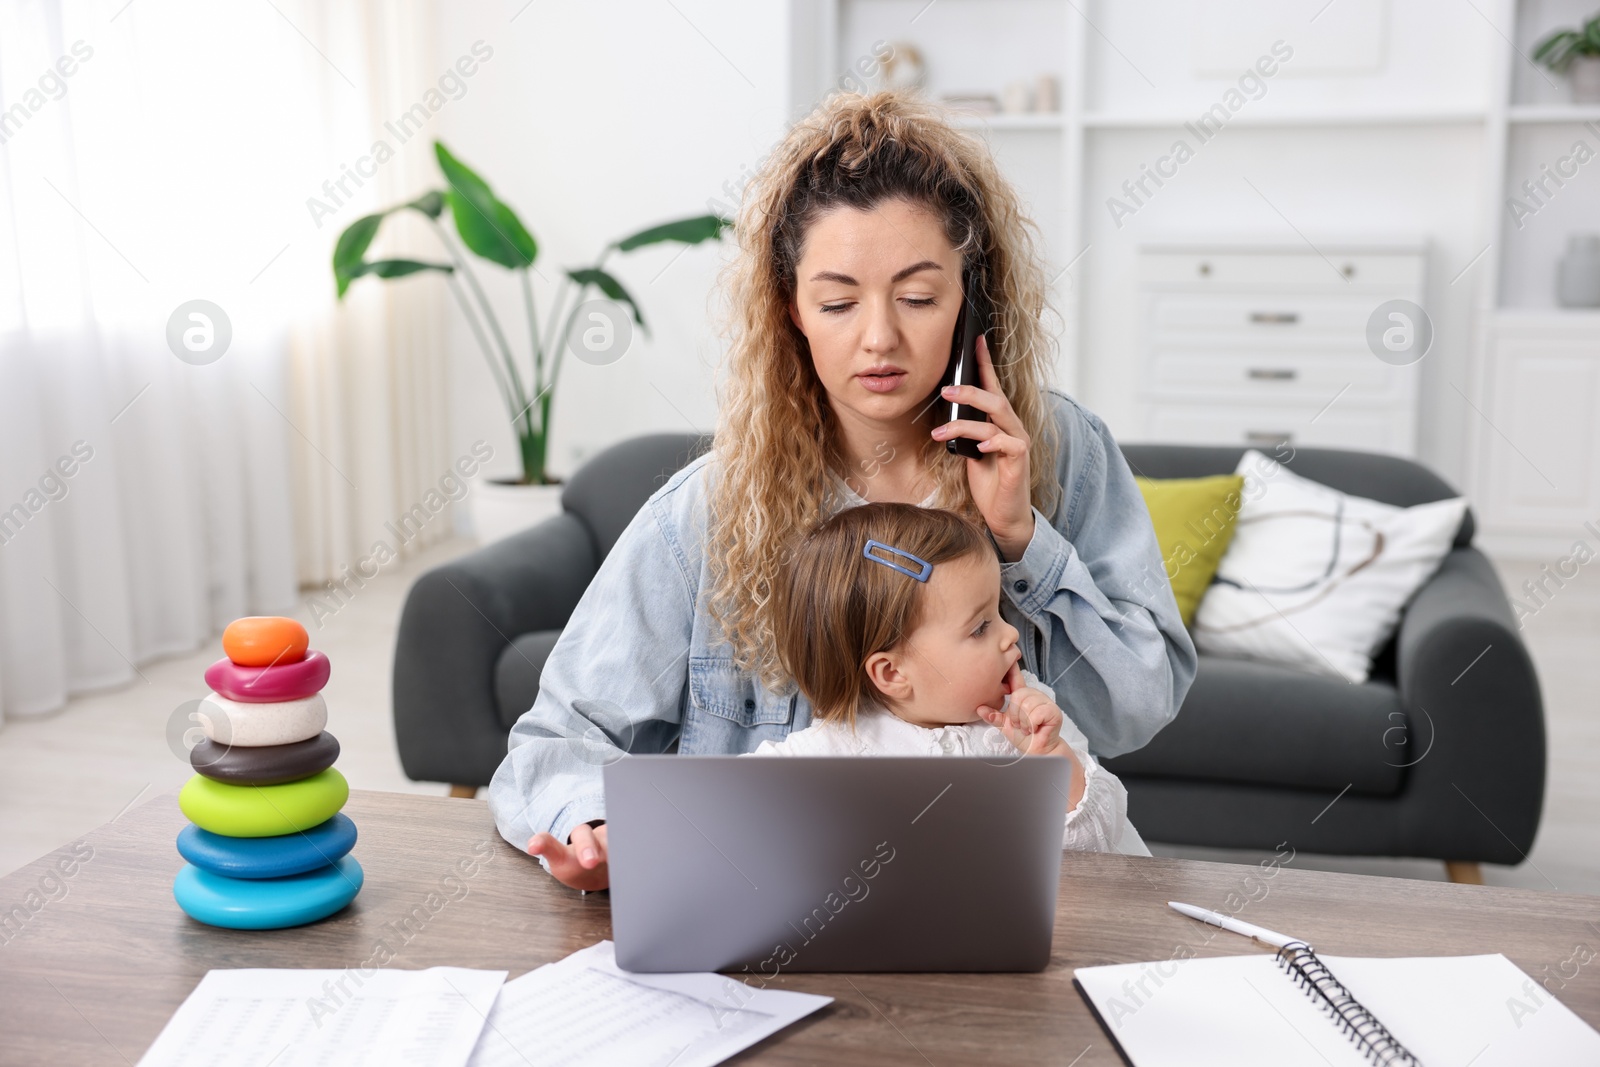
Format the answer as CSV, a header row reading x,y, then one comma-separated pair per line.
x,y
642,664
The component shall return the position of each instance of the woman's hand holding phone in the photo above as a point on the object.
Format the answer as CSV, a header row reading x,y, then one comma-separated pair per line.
x,y
1001,489
580,864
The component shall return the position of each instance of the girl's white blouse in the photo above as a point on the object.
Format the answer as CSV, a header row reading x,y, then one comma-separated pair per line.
x,y
1098,824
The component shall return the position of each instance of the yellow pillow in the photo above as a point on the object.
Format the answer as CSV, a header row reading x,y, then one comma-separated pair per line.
x,y
1194,520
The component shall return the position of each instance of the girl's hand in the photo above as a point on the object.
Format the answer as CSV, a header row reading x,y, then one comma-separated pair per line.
x,y
1000,489
1032,723
580,864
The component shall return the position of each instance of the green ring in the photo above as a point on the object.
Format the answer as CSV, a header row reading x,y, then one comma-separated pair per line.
x,y
263,810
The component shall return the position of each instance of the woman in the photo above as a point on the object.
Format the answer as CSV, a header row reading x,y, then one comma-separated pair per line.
x,y
853,243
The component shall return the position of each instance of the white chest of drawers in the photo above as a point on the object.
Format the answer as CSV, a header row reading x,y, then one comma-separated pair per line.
x,y
1260,343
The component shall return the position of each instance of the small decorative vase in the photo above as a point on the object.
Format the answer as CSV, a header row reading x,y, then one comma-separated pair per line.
x,y
1585,75
1046,96
1016,98
1578,274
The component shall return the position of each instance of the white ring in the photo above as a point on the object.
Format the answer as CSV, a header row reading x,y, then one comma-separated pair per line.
x,y
233,722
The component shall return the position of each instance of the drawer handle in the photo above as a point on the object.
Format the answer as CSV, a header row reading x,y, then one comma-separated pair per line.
x,y
1273,374
1264,437
1275,318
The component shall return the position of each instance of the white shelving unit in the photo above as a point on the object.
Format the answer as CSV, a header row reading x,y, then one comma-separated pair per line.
x,y
1535,445
1394,115
1341,117
1565,113
1107,103
1265,343
1045,123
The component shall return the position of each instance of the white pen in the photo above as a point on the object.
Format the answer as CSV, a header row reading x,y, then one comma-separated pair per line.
x,y
1270,938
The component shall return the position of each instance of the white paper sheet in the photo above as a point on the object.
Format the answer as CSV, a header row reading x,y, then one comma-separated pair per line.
x,y
320,1018
584,1011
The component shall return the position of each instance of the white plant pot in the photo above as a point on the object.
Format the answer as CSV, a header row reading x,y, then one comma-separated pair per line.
x,y
1585,75
500,509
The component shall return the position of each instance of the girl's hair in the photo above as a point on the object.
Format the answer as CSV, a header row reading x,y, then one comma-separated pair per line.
x,y
776,447
833,607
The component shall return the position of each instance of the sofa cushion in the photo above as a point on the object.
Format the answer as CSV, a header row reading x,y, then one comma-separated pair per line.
x,y
1259,723
1194,520
516,674
1391,479
1316,578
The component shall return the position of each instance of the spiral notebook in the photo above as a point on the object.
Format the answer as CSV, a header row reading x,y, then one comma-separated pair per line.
x,y
1332,1011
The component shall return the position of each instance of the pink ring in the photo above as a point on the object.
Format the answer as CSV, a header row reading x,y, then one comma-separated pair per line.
x,y
269,685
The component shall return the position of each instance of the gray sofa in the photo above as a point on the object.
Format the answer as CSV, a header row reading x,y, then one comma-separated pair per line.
x,y
1440,754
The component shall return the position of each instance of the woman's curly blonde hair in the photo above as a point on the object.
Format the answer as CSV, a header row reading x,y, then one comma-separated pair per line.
x,y
776,452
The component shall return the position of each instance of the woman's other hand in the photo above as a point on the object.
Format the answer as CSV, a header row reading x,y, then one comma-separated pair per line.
x,y
1000,489
580,864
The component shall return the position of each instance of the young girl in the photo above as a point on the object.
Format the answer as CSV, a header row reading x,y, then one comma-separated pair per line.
x,y
888,617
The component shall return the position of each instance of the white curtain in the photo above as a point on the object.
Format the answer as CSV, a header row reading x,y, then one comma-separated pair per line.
x,y
370,383
152,154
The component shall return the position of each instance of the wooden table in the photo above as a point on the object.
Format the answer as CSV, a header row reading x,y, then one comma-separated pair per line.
x,y
93,974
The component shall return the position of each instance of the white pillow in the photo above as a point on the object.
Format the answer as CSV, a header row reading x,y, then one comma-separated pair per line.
x,y
1315,578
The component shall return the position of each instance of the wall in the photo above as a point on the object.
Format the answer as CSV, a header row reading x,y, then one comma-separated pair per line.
x,y
594,121
1308,170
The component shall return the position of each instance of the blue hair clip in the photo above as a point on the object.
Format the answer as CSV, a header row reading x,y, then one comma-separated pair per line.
x,y
922,576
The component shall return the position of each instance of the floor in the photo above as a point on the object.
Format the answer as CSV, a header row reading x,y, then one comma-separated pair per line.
x,y
117,743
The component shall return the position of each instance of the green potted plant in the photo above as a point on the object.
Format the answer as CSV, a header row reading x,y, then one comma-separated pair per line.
x,y
1576,53
491,230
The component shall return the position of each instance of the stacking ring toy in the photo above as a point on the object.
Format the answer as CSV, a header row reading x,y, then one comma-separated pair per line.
x,y
231,722
264,764
269,685
263,810
268,857
263,640
267,903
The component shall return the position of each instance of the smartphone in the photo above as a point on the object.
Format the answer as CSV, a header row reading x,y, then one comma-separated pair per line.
x,y
974,319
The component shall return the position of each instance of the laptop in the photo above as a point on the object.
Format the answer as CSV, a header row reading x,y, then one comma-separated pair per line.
x,y
824,863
